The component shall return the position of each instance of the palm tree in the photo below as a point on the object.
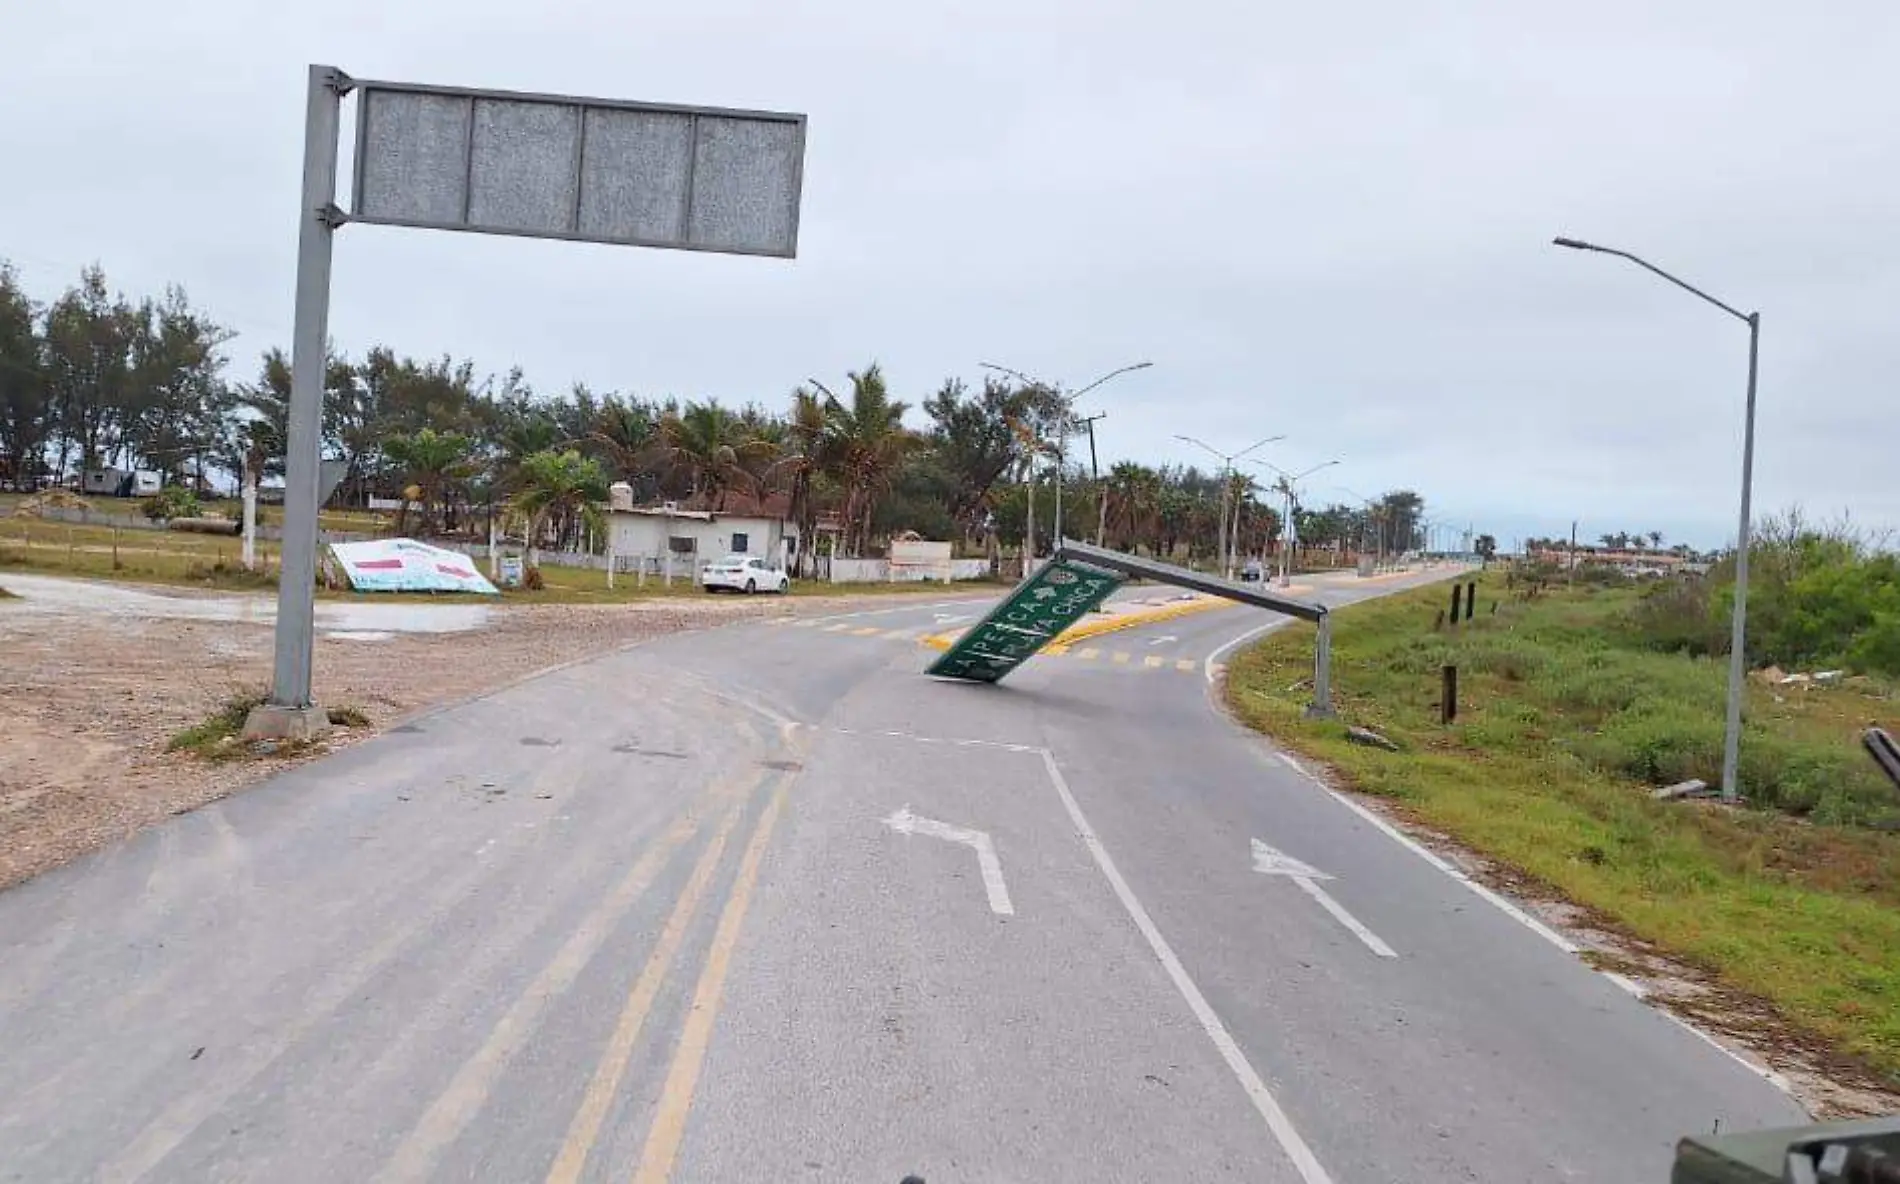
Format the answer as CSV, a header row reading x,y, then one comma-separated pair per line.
x,y
625,436
561,487
866,444
808,439
433,462
708,445
1134,505
1655,540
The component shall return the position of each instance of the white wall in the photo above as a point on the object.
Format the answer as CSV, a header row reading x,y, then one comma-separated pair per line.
x,y
878,571
647,534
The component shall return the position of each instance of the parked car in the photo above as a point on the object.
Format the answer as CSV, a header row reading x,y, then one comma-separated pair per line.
x,y
1252,573
744,573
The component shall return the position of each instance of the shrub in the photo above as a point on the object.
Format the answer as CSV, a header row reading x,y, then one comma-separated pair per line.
x,y
531,579
173,501
1677,617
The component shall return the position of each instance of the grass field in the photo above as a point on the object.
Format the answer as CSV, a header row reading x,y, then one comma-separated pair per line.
x,y
1562,729
212,561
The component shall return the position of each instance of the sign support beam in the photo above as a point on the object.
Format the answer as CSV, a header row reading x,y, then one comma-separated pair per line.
x,y
1167,573
291,713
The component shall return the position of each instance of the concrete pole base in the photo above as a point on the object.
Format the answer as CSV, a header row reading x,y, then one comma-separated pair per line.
x,y
268,721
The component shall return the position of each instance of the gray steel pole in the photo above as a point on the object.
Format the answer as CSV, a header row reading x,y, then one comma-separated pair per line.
x,y
1101,491
1287,540
1738,624
1322,705
1233,550
296,580
1062,462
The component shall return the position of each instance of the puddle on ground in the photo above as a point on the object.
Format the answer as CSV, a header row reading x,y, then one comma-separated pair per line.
x,y
351,620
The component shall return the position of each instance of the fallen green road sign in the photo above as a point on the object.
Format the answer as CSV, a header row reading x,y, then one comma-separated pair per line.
x,y
1042,606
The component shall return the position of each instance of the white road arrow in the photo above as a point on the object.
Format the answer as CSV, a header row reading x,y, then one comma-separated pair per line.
x,y
1270,862
1164,639
906,823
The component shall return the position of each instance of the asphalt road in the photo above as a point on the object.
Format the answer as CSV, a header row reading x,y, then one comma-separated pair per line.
x,y
764,903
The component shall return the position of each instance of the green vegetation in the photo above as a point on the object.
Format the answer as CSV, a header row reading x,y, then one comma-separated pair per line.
x,y
216,736
174,501
348,717
1817,598
1564,721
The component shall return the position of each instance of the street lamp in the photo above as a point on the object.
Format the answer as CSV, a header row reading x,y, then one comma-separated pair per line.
x,y
1738,622
1289,531
1376,514
1062,435
1227,468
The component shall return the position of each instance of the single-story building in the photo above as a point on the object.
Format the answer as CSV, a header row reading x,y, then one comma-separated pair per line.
x,y
692,533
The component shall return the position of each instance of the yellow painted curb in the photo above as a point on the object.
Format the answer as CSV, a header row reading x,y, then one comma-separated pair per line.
x,y
1113,623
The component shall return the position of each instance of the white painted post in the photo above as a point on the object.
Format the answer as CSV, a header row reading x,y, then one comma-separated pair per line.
x,y
250,518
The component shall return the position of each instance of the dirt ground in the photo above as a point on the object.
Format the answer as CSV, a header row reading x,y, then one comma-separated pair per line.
x,y
87,702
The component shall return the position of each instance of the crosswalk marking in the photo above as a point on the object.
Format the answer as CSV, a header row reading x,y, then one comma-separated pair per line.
x,y
1088,655
1151,662
1185,664
1121,659
867,631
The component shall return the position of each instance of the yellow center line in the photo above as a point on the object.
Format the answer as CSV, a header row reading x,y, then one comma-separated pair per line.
x,y
676,1097
1184,664
1151,662
585,1129
1121,658
1088,655
868,631
453,1109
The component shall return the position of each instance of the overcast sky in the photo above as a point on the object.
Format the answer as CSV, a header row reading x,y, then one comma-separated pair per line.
x,y
1330,221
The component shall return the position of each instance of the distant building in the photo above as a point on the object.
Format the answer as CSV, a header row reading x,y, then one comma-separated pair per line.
x,y
1627,560
691,533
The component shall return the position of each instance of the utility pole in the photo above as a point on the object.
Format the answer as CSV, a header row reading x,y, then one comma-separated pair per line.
x,y
1095,474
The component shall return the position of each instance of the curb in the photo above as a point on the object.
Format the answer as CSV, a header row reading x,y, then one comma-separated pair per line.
x,y
1084,630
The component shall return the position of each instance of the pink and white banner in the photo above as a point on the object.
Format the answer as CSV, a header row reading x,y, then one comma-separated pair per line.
x,y
404,565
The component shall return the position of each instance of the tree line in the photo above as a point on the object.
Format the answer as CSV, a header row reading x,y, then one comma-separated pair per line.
x,y
96,379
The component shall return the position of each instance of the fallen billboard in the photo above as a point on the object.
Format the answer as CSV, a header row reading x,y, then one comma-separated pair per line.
x,y
404,565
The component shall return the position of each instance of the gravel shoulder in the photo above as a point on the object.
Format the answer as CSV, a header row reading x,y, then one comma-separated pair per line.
x,y
88,701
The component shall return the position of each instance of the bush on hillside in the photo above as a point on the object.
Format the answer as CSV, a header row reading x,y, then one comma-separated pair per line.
x,y
1817,597
173,501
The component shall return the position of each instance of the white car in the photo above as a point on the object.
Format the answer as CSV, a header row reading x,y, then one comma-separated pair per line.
x,y
744,573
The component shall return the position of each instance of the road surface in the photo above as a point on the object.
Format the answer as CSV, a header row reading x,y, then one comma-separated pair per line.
x,y
763,903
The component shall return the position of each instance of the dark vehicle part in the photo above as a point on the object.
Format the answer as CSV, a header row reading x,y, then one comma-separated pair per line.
x,y
1864,1152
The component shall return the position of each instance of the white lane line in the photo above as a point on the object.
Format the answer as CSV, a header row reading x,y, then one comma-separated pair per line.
x,y
883,612
1212,666
906,823
1304,1161
1345,918
1398,836
1271,862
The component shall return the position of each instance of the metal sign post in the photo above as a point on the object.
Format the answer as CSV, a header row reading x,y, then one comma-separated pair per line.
x,y
501,162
